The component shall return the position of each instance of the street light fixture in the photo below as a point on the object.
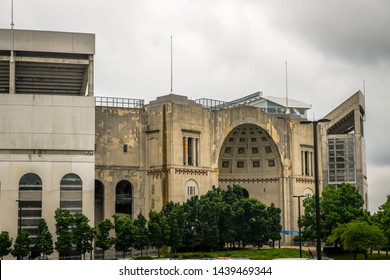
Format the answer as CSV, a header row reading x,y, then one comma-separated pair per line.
x,y
19,226
316,182
299,223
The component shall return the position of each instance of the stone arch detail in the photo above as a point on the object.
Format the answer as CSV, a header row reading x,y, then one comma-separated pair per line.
x,y
249,157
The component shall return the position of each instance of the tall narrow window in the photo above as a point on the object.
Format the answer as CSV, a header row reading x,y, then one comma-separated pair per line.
x,y
191,151
30,203
123,196
99,201
71,190
307,162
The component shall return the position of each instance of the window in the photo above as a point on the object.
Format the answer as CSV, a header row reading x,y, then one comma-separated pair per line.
x,y
341,157
192,189
307,161
123,197
191,151
99,201
30,203
71,193
125,148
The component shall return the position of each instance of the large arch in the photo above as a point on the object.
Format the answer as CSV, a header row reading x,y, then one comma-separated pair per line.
x,y
124,198
30,204
249,157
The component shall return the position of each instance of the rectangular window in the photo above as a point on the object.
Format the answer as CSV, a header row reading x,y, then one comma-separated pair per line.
x,y
125,147
341,160
307,161
191,151
191,191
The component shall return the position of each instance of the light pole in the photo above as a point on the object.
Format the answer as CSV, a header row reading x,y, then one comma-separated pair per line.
x,y
317,183
19,226
299,223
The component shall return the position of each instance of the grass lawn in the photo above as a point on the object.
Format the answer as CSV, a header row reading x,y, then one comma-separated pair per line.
x,y
263,254
373,256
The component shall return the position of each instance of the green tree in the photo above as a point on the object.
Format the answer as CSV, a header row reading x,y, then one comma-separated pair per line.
x,y
176,218
44,242
338,205
383,220
159,231
83,234
252,214
359,236
191,227
64,224
141,240
274,225
103,239
22,245
228,224
5,244
124,233
210,208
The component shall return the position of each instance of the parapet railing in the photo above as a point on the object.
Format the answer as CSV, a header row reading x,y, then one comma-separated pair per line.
x,y
118,102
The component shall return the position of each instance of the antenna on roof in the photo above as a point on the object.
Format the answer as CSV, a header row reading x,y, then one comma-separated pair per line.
x,y
12,30
171,67
12,58
364,87
287,110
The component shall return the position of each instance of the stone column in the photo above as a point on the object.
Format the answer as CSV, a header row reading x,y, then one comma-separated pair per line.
x,y
90,76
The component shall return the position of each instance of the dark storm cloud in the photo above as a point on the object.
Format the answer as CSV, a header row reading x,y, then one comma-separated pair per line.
x,y
354,30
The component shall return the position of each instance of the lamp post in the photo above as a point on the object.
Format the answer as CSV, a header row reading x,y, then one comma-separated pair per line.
x,y
299,223
316,182
19,226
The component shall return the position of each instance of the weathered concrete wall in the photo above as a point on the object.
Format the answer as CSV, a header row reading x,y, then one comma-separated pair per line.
x,y
115,128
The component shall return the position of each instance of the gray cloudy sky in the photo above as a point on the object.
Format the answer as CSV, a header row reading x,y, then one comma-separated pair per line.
x,y
226,49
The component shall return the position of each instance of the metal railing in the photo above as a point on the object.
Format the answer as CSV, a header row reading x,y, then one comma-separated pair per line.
x,y
118,102
218,104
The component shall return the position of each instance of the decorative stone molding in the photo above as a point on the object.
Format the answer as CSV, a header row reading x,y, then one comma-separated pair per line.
x,y
258,180
191,171
304,180
157,172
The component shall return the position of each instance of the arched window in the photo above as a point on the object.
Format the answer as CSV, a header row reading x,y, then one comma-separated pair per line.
x,y
99,201
123,197
30,203
245,193
308,192
71,189
192,189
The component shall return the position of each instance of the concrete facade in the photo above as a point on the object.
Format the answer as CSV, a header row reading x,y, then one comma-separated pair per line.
x,y
47,127
62,147
174,148
177,148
